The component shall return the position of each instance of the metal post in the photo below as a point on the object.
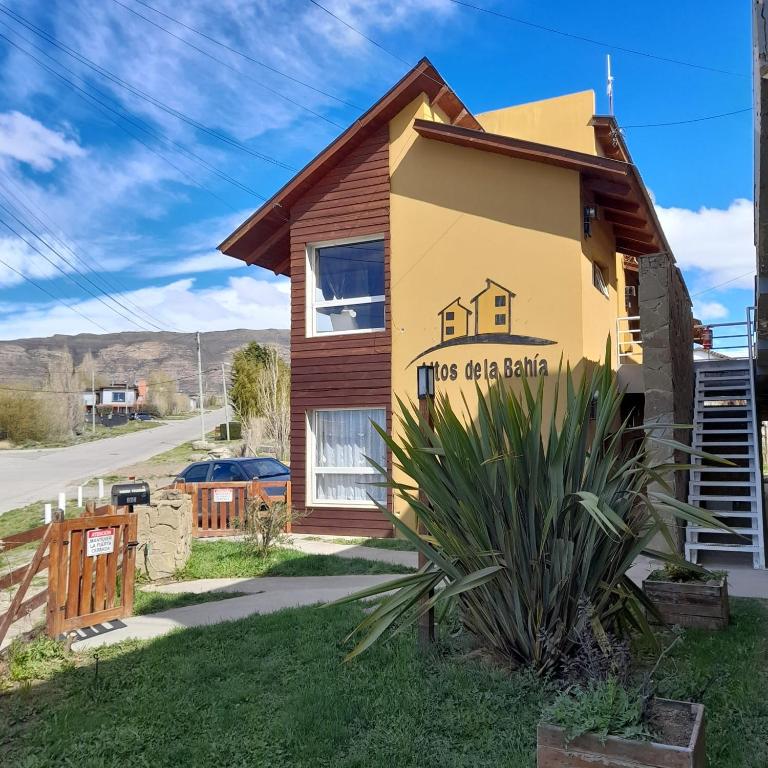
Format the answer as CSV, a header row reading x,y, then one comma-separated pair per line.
x,y
200,389
426,629
63,501
79,496
226,399
47,514
101,489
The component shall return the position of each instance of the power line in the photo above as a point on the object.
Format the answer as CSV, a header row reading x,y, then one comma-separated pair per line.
x,y
142,94
52,295
86,389
247,57
76,269
239,53
592,41
141,125
720,285
361,34
691,120
45,222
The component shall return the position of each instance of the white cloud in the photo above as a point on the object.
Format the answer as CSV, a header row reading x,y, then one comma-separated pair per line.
x,y
204,262
243,302
20,260
716,242
25,139
709,311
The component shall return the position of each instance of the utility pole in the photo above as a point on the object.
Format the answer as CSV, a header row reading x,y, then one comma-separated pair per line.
x,y
93,404
200,389
226,400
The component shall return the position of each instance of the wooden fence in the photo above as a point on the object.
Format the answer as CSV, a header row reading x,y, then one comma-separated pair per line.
x,y
90,561
218,509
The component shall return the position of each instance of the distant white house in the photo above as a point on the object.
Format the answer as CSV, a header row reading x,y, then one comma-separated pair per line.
x,y
116,398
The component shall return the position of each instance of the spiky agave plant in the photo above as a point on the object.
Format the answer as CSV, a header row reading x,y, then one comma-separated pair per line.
x,y
531,511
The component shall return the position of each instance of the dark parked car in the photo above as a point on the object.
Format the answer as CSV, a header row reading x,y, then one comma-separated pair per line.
x,y
237,470
141,417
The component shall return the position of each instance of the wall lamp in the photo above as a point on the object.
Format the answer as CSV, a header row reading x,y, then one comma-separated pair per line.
x,y
590,214
425,381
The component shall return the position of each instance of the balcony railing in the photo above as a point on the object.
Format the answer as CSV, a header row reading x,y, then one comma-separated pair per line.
x,y
629,340
713,341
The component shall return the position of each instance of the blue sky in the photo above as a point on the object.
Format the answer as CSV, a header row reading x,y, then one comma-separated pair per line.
x,y
134,184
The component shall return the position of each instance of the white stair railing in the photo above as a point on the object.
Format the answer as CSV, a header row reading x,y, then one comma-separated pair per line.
x,y
726,425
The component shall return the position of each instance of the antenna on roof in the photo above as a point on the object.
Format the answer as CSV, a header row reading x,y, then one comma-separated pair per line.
x,y
609,86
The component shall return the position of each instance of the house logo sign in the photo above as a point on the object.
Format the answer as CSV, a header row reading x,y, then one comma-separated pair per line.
x,y
488,320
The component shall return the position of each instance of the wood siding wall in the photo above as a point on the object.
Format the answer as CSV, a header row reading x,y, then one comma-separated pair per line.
x,y
349,371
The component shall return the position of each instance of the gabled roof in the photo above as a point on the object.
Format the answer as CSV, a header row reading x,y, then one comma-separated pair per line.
x,y
263,238
488,284
456,301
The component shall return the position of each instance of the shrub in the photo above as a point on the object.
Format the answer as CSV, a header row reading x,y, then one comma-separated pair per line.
x,y
605,708
528,522
265,525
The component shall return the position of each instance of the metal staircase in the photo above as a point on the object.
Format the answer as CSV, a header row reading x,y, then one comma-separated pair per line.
x,y
726,425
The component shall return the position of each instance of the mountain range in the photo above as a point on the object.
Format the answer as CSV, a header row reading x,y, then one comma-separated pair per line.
x,y
129,356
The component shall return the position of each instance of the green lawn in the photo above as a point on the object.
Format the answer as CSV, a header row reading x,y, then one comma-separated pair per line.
x,y
229,559
273,691
145,602
728,672
402,545
24,518
88,436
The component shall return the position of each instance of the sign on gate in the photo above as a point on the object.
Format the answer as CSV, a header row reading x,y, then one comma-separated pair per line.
x,y
100,542
222,495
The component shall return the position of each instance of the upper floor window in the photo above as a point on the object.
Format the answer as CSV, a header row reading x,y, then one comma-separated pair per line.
x,y
599,279
118,397
346,287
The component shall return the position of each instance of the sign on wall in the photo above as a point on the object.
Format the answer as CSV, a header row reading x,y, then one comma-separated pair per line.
x,y
487,320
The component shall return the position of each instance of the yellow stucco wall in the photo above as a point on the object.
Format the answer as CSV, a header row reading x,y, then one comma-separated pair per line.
x,y
459,217
561,122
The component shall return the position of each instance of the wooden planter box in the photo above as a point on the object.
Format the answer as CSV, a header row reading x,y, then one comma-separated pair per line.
x,y
587,751
690,604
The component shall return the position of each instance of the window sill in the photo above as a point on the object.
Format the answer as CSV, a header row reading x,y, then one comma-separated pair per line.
x,y
341,505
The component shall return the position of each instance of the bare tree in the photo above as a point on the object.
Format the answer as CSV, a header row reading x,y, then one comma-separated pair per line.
x,y
274,396
64,408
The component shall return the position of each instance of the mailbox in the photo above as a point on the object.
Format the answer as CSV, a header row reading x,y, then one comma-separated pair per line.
x,y
128,494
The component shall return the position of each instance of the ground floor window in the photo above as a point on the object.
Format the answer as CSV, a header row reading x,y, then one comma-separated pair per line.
x,y
338,442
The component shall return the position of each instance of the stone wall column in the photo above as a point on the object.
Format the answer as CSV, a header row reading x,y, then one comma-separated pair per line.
x,y
164,533
666,324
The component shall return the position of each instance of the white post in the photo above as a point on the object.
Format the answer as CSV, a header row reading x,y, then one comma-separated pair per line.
x,y
79,496
93,404
226,400
200,389
48,514
101,489
62,501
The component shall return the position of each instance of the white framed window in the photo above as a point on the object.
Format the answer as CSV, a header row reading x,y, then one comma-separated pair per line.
x,y
338,442
345,286
599,279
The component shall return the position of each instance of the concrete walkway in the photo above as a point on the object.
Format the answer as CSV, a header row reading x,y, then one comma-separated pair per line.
x,y
264,595
307,544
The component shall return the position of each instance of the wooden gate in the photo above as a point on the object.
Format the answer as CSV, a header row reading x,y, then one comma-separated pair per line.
x,y
218,509
90,562
92,569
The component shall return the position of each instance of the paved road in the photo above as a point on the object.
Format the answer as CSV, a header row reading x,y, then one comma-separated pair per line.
x,y
36,475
